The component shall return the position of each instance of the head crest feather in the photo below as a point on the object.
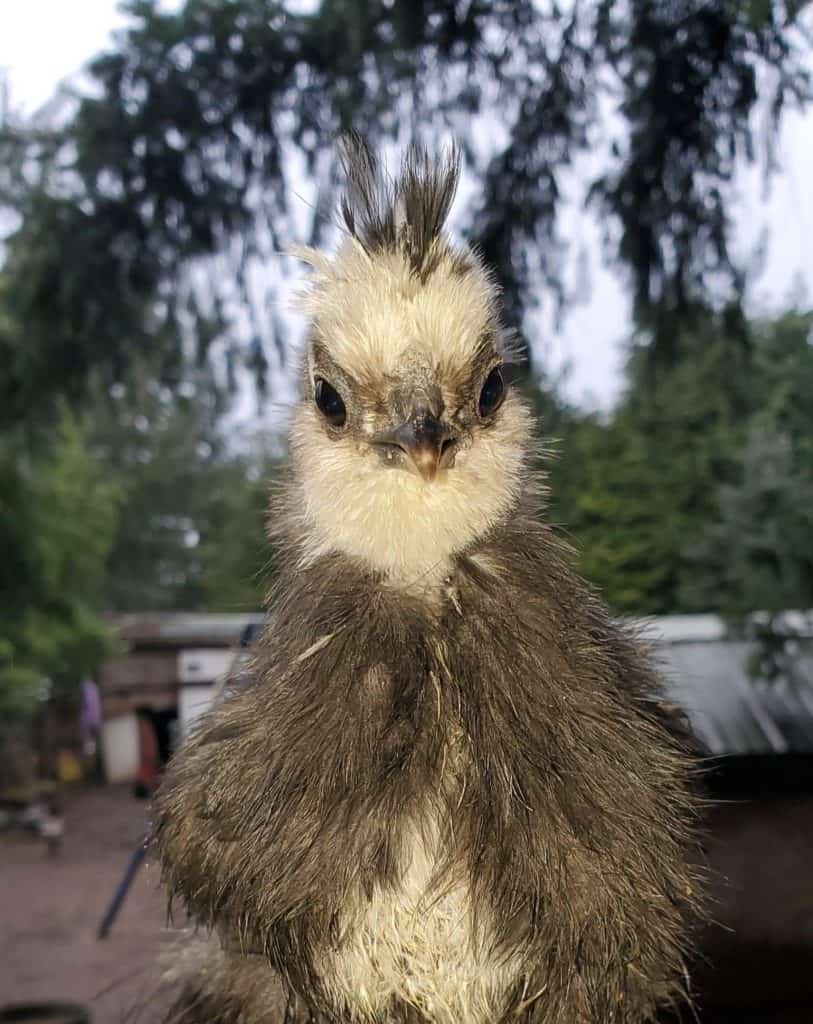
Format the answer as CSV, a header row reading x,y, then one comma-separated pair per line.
x,y
407,213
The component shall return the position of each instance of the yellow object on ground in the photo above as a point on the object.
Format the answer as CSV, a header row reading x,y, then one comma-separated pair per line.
x,y
69,767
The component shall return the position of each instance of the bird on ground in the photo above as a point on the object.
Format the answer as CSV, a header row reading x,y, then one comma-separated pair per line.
x,y
452,792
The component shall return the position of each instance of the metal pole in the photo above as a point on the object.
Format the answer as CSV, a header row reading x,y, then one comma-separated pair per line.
x,y
118,897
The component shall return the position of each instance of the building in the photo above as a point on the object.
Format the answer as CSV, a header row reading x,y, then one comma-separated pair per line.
x,y
166,675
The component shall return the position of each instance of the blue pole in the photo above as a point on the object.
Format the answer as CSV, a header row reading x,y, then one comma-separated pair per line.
x,y
121,891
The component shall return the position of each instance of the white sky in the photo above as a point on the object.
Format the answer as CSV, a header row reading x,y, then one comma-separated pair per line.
x,y
45,41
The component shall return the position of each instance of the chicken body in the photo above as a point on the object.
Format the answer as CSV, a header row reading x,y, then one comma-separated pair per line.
x,y
452,792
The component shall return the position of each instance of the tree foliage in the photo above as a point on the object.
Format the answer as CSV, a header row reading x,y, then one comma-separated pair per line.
x,y
187,158
57,518
191,530
755,552
695,493
137,507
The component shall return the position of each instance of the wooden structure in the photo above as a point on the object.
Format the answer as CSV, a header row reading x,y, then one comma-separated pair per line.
x,y
165,676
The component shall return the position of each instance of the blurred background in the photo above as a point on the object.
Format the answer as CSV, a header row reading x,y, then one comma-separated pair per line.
x,y
640,175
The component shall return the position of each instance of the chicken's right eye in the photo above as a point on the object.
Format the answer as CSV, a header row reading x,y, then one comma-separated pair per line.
x,y
329,402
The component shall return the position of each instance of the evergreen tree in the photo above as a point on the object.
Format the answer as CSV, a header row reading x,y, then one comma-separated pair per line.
x,y
191,531
642,484
754,553
57,519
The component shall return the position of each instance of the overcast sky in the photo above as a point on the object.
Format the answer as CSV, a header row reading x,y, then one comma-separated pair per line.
x,y
45,41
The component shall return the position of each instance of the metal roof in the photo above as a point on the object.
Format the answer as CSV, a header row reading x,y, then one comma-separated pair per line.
x,y
706,670
178,629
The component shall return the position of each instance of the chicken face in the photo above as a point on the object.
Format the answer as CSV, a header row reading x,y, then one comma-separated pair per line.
x,y
408,439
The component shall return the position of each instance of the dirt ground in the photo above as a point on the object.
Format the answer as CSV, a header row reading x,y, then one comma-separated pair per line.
x,y
51,906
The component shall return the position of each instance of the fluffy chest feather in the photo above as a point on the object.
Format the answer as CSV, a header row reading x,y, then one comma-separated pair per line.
x,y
417,942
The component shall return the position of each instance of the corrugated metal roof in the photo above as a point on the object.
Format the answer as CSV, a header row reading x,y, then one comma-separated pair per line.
x,y
190,629
707,673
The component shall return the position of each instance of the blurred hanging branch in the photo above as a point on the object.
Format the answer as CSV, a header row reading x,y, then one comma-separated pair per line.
x,y
147,210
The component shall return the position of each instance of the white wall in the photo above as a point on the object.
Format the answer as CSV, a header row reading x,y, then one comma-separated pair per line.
x,y
120,748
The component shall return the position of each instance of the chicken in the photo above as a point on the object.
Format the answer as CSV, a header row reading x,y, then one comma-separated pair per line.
x,y
452,792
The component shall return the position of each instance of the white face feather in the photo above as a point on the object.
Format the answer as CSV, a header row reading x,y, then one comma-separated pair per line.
x,y
383,330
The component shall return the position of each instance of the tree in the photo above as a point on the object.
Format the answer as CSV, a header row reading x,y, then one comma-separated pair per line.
x,y
641,484
761,541
236,555
148,215
191,532
57,517
695,493
171,185
754,553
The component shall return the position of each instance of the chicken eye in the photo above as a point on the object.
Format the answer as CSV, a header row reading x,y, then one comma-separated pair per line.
x,y
329,402
492,394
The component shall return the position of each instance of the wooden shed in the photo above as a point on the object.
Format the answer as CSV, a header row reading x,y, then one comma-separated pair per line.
x,y
165,676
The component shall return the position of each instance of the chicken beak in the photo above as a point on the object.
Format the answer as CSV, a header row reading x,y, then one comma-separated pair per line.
x,y
424,439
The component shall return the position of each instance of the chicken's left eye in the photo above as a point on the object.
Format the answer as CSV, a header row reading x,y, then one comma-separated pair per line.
x,y
492,394
329,402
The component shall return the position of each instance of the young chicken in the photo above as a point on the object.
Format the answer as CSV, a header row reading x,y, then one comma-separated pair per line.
x,y
451,792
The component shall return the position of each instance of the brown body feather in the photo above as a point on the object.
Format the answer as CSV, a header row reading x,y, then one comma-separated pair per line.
x,y
569,814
